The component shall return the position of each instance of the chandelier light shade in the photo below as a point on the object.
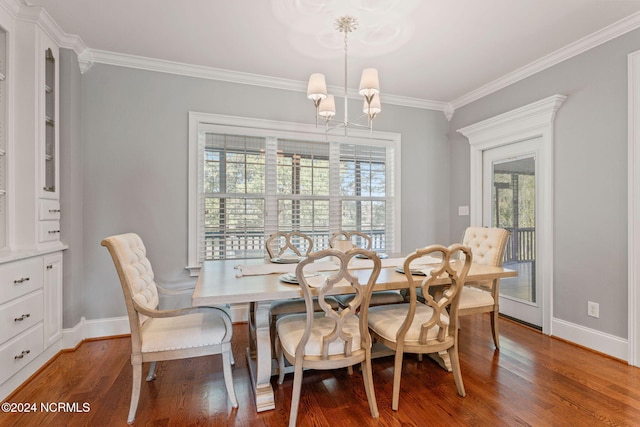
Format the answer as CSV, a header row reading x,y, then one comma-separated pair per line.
x,y
317,87
369,88
327,107
369,84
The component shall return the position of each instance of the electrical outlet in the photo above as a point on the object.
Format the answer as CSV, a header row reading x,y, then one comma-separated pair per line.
x,y
463,210
593,309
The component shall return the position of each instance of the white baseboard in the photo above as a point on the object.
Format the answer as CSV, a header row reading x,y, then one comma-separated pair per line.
x,y
596,340
95,328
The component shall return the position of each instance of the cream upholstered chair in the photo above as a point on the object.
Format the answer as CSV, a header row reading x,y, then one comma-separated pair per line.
x,y
424,327
344,240
158,335
280,243
332,338
487,246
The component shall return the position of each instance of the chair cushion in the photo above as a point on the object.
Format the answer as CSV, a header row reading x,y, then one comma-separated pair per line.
x,y
188,331
291,328
385,320
377,298
292,306
471,297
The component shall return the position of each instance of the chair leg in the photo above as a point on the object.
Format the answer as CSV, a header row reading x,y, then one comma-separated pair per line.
x,y
135,392
455,367
152,372
228,377
280,357
367,376
295,394
494,328
397,374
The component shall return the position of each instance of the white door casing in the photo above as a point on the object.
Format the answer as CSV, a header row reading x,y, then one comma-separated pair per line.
x,y
528,122
634,208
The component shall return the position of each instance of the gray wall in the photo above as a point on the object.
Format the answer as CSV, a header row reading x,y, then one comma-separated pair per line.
x,y
590,183
71,169
134,161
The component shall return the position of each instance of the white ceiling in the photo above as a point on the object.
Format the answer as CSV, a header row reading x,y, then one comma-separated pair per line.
x,y
435,50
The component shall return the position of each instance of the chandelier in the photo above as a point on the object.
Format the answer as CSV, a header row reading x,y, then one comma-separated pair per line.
x,y
369,89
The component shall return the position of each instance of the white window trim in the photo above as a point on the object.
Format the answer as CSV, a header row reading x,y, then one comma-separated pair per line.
x,y
261,127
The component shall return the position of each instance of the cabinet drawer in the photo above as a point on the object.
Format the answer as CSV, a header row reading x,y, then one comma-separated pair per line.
x,y
21,314
49,209
49,231
19,278
17,353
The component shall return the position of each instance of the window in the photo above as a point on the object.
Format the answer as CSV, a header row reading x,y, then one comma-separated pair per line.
x,y
251,178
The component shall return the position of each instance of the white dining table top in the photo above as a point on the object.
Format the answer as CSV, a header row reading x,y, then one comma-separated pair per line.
x,y
218,282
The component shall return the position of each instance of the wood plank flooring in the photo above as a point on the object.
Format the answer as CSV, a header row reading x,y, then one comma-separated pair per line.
x,y
534,380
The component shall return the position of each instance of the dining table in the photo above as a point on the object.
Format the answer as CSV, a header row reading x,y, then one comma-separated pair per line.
x,y
259,282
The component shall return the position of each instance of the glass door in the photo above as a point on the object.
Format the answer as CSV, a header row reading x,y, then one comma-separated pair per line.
x,y
509,202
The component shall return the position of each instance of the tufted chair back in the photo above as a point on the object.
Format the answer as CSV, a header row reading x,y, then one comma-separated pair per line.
x,y
487,244
135,272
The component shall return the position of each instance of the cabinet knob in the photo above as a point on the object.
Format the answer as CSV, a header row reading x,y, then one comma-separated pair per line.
x,y
49,267
21,355
22,280
21,318
54,210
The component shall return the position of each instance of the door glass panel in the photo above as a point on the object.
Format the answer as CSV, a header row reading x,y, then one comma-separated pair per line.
x,y
513,208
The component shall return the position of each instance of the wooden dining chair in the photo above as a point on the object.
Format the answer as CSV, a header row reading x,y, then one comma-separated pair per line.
x,y
344,240
281,242
425,327
332,338
358,239
158,335
302,245
487,246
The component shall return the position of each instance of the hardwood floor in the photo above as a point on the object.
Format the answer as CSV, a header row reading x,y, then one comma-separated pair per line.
x,y
533,380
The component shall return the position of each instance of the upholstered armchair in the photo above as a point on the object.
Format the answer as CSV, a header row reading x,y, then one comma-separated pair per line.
x,y
158,335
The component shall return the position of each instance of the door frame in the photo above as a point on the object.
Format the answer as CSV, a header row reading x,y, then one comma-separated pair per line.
x,y
529,312
528,122
633,188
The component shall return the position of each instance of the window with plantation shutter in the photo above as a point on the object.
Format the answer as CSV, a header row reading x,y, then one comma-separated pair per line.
x,y
252,178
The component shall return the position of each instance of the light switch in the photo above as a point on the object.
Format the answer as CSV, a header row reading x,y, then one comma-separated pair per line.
x,y
463,210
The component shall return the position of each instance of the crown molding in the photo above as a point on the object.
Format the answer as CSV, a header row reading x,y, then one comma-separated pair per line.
x,y
39,16
190,70
24,10
12,6
604,35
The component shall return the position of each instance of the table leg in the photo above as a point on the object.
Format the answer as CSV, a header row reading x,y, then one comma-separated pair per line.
x,y
259,355
442,358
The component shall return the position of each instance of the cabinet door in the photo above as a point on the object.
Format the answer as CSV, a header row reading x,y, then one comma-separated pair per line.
x,y
52,265
49,170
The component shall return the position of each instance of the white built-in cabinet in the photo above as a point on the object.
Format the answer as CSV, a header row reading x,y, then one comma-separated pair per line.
x,y
31,251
